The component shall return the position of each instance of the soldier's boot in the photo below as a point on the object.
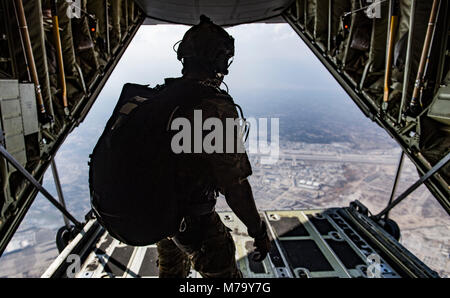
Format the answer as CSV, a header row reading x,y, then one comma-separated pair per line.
x,y
172,262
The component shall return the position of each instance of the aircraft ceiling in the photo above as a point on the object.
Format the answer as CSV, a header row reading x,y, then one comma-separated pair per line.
x,y
222,12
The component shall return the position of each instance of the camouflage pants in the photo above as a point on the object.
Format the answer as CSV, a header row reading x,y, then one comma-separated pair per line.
x,y
206,244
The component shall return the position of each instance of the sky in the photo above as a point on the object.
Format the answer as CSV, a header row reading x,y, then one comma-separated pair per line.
x,y
271,51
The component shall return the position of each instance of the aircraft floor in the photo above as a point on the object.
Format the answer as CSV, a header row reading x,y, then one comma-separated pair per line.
x,y
306,243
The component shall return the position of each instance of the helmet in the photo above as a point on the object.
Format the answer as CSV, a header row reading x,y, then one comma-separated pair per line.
x,y
207,44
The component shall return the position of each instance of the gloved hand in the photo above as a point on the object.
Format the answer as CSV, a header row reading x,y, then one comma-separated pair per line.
x,y
262,244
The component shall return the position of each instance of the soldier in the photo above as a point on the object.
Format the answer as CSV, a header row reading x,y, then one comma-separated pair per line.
x,y
203,240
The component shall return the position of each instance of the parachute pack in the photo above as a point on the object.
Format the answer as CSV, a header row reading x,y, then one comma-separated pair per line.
x,y
130,170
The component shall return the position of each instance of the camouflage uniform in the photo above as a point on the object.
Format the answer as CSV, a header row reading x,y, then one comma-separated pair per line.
x,y
172,261
205,241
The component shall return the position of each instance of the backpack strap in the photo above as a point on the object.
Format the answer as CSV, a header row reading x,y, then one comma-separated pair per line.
x,y
127,110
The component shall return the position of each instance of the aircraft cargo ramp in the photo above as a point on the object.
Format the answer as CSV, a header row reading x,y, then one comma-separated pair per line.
x,y
332,243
